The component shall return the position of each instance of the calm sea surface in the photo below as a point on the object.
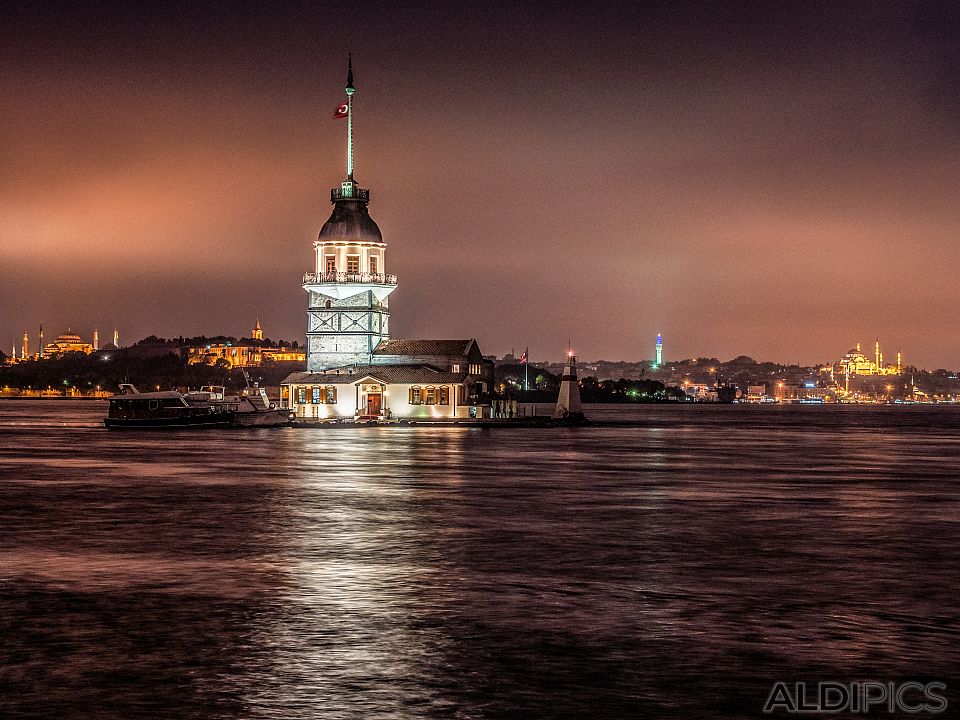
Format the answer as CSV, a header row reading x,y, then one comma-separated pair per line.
x,y
671,570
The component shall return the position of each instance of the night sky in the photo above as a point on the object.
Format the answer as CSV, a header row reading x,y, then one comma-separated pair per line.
x,y
776,180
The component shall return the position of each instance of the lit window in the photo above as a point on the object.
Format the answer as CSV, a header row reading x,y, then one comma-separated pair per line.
x,y
415,396
443,395
353,263
431,398
373,264
455,368
331,264
315,395
331,395
301,395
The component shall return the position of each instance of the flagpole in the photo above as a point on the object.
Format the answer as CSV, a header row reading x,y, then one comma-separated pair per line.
x,y
526,369
350,90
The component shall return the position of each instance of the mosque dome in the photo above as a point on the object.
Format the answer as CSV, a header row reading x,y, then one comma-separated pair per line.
x,y
350,219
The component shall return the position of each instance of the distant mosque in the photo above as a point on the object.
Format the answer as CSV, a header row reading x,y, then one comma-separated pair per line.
x,y
68,342
854,362
354,368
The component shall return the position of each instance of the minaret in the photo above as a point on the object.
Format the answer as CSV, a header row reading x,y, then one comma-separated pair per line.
x,y
899,362
116,337
659,361
876,354
25,350
348,313
568,402
40,349
257,332
96,339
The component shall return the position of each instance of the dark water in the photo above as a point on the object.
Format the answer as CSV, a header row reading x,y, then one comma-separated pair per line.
x,y
673,570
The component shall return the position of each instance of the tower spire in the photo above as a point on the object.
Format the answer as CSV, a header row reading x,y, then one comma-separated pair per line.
x,y
350,90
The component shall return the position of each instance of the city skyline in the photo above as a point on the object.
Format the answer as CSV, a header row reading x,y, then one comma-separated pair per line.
x,y
764,181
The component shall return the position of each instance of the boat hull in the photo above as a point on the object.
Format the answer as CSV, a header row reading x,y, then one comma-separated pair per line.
x,y
262,418
213,420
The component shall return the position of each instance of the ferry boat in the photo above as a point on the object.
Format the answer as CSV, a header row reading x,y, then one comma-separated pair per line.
x,y
208,407
164,409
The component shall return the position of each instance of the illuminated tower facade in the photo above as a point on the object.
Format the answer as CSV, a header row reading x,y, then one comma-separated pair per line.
x,y
96,339
347,313
659,361
257,332
116,338
25,350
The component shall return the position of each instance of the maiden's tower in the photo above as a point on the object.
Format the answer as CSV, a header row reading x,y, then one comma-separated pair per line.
x,y
354,369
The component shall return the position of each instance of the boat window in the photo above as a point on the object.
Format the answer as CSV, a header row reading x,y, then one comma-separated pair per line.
x,y
154,404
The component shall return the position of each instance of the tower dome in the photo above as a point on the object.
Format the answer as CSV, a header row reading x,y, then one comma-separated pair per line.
x,y
350,219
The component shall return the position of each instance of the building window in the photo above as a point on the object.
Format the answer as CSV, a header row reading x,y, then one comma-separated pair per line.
x,y
431,398
474,369
443,395
353,263
373,264
415,396
301,395
331,395
455,368
330,265
315,395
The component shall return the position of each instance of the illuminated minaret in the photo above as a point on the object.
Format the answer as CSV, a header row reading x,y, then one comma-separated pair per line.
x,y
876,353
348,314
116,337
25,350
40,349
96,340
899,362
659,351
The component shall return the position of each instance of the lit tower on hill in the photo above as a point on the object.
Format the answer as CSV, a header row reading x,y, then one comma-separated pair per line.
x,y
25,350
348,314
659,361
96,340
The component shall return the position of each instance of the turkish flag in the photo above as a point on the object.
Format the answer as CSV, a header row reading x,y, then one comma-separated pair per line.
x,y
340,112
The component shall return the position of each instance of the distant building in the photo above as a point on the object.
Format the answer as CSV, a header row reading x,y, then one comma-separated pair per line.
x,y
659,350
257,332
67,343
854,362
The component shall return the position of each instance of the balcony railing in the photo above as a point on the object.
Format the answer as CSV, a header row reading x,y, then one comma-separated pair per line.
x,y
349,277
355,194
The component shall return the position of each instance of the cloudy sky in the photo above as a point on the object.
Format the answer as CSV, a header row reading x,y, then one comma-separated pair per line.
x,y
776,179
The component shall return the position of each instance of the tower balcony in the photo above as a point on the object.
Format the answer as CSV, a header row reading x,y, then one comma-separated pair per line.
x,y
349,277
341,285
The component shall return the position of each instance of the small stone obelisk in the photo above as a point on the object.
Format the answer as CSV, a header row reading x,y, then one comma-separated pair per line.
x,y
568,402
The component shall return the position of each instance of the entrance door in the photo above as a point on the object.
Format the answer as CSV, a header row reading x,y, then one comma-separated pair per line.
x,y
374,404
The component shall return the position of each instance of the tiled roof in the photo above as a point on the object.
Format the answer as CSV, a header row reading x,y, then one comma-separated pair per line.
x,y
423,347
384,373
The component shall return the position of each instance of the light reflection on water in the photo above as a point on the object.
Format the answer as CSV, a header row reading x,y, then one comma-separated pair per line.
x,y
675,568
